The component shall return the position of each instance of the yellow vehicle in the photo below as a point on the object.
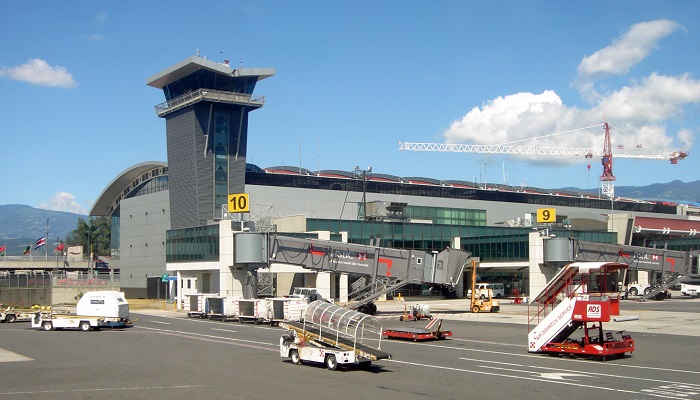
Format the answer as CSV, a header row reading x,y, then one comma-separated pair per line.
x,y
479,304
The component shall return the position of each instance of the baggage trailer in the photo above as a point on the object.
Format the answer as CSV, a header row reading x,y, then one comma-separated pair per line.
x,y
416,334
224,308
254,310
11,314
333,336
195,307
49,321
281,309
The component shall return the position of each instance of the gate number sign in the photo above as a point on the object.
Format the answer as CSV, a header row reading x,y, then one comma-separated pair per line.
x,y
238,203
546,215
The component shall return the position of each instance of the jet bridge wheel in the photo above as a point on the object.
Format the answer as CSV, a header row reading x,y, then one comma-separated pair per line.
x,y
294,355
331,362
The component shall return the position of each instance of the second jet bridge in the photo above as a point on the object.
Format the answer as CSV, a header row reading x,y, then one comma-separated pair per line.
x,y
396,266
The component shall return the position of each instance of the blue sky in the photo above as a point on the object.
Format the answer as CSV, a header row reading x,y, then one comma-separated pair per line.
x,y
352,80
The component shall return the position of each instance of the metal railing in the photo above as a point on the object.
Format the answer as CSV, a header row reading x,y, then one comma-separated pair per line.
x,y
48,280
209,95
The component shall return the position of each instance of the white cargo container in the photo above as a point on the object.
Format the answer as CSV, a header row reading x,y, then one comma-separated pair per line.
x,y
286,309
110,305
195,304
252,310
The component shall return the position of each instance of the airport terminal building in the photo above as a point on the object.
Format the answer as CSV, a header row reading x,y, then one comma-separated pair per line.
x,y
171,218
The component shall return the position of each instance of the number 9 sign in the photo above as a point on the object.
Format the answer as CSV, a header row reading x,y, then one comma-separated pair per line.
x,y
546,215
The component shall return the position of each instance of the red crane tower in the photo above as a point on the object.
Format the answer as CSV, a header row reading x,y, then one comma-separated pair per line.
x,y
607,179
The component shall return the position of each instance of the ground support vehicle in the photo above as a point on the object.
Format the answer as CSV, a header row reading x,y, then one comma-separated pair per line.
x,y
254,310
49,321
224,308
415,312
11,314
332,335
281,309
484,302
566,305
195,307
416,334
110,305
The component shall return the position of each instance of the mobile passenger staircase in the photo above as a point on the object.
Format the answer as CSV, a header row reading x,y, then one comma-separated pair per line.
x,y
575,298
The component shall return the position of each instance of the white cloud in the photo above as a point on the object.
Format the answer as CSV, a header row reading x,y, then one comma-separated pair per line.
x,y
38,72
100,18
96,37
637,111
63,201
626,51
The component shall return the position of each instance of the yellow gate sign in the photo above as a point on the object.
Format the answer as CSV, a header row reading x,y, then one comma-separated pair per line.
x,y
545,215
238,203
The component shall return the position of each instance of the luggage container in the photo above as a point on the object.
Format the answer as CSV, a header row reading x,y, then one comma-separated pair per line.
x,y
195,307
285,309
224,308
252,310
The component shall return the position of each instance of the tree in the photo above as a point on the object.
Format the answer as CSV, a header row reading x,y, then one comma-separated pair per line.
x,y
95,232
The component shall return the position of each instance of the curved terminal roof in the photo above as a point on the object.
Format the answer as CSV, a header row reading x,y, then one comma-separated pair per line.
x,y
127,181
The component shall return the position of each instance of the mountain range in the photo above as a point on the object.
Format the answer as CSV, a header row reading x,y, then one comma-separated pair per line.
x,y
22,225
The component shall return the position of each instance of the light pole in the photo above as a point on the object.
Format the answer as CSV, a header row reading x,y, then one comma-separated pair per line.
x,y
364,188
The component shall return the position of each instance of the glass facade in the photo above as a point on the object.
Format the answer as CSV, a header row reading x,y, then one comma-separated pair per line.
x,y
193,244
488,243
221,141
447,216
204,79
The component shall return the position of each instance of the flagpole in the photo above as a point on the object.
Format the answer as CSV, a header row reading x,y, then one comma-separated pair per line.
x,y
46,248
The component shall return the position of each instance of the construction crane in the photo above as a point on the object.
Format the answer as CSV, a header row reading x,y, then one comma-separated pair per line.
x,y
607,179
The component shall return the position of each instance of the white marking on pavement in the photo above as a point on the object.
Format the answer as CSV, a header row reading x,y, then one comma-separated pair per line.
x,y
102,389
8,356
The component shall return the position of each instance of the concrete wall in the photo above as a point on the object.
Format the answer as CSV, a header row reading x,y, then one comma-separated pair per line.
x,y
144,220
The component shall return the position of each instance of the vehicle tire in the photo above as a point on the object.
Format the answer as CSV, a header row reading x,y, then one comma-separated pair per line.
x,y
476,309
498,296
85,326
331,362
401,318
495,309
647,290
294,355
47,326
10,318
633,292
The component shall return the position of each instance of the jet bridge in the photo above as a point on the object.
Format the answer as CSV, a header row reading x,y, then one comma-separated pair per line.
x,y
393,267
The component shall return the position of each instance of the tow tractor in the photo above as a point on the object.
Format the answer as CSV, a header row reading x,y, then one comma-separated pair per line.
x,y
48,321
478,304
566,305
334,336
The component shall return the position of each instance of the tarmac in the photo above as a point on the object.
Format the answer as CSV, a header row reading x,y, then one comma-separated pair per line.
x,y
639,319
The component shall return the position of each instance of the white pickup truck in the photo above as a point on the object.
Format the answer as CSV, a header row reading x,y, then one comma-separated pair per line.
x,y
482,290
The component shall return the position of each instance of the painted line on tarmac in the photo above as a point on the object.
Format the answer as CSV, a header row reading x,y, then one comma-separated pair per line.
x,y
527,378
160,322
102,389
575,372
9,356
218,339
224,330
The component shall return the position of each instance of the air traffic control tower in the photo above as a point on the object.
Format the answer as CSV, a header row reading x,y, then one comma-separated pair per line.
x,y
206,117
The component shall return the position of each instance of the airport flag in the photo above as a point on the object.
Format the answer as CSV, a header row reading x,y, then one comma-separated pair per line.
x,y
60,247
40,242
27,250
2,250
